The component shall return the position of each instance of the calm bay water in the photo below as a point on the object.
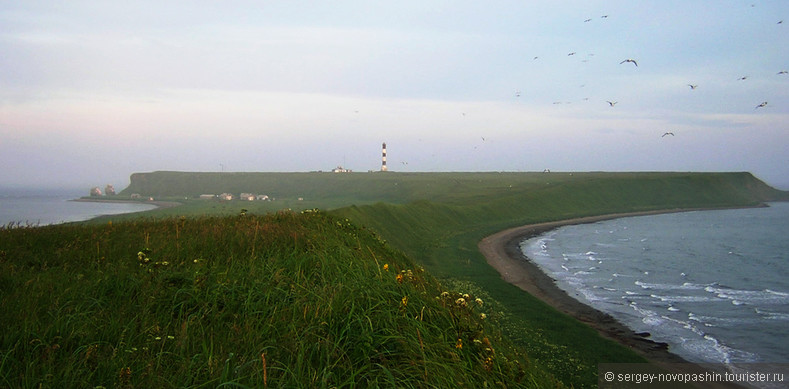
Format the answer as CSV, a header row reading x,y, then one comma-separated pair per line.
x,y
714,285
43,207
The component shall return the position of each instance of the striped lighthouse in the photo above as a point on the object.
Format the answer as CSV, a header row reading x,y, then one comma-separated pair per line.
x,y
383,157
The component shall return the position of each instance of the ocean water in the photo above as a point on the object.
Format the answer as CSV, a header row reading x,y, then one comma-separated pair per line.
x,y
44,207
714,285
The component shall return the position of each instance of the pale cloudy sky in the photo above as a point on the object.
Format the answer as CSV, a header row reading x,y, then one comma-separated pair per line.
x,y
92,91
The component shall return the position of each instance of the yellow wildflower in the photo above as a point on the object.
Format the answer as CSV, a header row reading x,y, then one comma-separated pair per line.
x,y
386,266
399,278
459,343
405,300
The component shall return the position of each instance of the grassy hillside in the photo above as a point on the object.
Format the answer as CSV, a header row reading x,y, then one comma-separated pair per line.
x,y
283,300
436,220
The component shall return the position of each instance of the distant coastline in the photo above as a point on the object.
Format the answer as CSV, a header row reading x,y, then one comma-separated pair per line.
x,y
158,204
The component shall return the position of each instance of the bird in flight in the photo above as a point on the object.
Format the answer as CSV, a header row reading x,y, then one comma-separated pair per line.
x,y
612,103
692,87
783,72
573,53
762,105
517,93
743,78
667,133
587,20
630,60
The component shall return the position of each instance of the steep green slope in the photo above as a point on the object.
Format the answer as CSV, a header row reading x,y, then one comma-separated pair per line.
x,y
283,300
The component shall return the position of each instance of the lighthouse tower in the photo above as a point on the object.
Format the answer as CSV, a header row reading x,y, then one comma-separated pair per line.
x,y
383,157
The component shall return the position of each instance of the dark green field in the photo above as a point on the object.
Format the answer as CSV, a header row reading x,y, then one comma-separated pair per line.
x,y
239,294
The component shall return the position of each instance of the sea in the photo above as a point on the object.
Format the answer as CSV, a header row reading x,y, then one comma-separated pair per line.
x,y
41,207
714,285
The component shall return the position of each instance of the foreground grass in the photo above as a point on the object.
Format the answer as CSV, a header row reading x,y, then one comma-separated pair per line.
x,y
283,300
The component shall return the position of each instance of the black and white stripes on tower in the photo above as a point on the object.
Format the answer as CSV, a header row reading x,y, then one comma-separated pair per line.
x,y
383,157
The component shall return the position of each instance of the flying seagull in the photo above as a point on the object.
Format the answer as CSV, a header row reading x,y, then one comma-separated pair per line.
x,y
667,133
783,72
693,86
629,60
743,78
762,105
587,20
612,103
573,53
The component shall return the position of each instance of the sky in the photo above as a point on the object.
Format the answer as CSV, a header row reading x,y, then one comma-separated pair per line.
x,y
93,91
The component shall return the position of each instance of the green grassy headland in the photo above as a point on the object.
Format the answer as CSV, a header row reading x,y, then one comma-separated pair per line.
x,y
367,294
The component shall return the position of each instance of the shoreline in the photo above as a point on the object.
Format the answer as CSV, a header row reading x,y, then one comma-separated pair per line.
x,y
158,204
502,252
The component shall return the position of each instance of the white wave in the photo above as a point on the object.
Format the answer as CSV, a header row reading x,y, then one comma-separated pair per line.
x,y
648,317
784,294
685,324
621,275
729,354
682,299
589,295
683,286
772,315
741,296
718,321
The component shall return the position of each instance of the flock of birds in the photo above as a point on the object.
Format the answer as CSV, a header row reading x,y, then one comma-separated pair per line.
x,y
635,63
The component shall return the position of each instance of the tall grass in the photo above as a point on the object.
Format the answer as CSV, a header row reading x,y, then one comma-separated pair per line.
x,y
281,300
